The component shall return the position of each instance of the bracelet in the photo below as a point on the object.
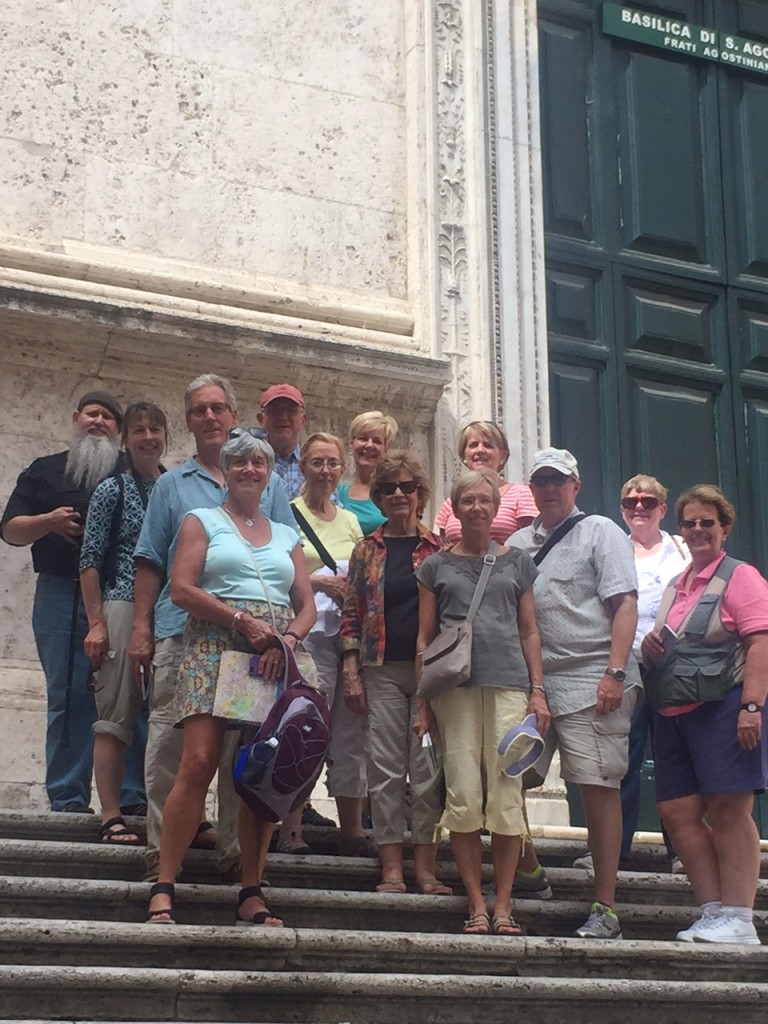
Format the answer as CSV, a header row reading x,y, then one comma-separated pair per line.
x,y
539,688
236,618
296,637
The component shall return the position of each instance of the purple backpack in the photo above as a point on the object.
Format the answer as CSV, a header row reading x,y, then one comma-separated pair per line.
x,y
275,771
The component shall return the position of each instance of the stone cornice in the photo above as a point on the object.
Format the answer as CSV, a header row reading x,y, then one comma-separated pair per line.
x,y
109,331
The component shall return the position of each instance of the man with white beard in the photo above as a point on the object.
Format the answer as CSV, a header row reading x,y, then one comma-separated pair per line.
x,y
47,510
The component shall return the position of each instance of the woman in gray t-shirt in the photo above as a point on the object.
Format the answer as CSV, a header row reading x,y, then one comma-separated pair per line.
x,y
472,719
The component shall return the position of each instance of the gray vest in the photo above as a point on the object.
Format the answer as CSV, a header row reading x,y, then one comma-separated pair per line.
x,y
706,660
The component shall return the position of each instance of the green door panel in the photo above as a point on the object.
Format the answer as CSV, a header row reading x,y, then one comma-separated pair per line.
x,y
565,88
744,117
668,158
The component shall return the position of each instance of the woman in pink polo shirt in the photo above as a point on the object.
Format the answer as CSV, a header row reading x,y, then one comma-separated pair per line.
x,y
707,661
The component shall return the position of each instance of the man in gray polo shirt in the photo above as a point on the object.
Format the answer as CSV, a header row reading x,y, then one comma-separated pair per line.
x,y
586,607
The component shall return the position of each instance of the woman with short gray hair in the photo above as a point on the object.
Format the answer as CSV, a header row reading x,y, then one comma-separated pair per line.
x,y
243,580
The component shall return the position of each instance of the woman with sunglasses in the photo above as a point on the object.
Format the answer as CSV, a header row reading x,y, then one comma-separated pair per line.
x,y
484,446
707,679
658,557
242,579
328,535
379,624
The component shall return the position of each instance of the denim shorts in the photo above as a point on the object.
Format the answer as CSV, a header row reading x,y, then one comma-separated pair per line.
x,y
698,752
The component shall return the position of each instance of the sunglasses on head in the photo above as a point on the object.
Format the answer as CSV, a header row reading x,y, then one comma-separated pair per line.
x,y
257,432
646,500
691,524
389,487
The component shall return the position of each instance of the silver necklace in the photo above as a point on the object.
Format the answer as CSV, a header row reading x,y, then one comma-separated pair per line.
x,y
248,522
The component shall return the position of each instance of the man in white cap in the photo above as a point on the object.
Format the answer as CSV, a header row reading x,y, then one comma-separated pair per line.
x,y
47,510
586,607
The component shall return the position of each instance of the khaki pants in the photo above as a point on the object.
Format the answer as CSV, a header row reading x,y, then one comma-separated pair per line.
x,y
395,756
164,746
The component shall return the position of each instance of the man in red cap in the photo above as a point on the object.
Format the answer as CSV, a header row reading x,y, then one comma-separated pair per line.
x,y
47,510
283,417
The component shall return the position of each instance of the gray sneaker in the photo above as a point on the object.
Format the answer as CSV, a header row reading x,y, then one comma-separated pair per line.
x,y
527,888
602,923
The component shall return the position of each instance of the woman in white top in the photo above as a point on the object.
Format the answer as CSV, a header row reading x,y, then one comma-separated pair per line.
x,y
658,557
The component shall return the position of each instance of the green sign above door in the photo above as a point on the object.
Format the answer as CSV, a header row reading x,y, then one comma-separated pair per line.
x,y
669,33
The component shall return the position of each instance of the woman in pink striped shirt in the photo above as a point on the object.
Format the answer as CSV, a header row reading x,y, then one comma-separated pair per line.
x,y
483,445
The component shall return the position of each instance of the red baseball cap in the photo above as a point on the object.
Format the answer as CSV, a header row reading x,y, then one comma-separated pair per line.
x,y
282,391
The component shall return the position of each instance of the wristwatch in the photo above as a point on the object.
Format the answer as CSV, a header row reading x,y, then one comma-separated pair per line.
x,y
752,706
616,673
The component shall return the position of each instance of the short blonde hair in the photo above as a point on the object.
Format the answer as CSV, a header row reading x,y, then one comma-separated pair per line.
x,y
487,430
374,422
644,484
393,462
468,480
707,494
321,438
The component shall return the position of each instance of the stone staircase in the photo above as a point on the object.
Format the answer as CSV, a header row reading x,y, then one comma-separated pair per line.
x,y
73,945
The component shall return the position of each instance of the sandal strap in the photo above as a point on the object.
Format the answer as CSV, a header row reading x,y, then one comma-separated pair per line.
x,y
109,825
162,889
248,892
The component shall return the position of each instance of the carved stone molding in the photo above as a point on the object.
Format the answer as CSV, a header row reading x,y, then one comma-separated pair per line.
x,y
486,208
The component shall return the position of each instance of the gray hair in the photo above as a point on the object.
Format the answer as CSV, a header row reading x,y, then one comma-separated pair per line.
x,y
470,479
244,443
210,380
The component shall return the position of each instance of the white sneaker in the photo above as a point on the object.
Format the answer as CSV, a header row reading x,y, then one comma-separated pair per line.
x,y
677,867
707,917
727,929
585,862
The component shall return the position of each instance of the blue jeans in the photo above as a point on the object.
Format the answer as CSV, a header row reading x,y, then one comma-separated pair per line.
x,y
642,725
69,745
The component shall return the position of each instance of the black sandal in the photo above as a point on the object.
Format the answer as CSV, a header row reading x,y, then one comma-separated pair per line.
x,y
160,889
114,830
261,916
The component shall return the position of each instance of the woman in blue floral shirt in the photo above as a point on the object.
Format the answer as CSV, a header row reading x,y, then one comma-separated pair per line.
x,y
107,576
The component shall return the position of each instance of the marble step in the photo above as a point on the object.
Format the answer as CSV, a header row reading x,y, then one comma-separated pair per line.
x,y
163,994
102,900
83,828
22,857
231,948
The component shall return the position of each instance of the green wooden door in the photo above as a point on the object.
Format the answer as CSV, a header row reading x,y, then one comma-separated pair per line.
x,y
657,256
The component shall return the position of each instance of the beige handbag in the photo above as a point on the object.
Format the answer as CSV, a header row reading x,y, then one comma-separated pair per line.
x,y
447,662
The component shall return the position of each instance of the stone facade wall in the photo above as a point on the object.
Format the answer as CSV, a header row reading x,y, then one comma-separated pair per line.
x,y
267,138
344,195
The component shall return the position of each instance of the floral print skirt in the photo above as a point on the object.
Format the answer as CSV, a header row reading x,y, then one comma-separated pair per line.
x,y
204,643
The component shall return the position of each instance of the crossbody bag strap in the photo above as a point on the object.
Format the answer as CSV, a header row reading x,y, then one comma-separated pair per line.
x,y
233,527
325,556
557,536
489,560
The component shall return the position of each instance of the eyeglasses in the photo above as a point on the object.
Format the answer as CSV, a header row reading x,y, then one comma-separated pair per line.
x,y
404,486
558,479
690,524
646,500
470,500
319,463
217,408
257,432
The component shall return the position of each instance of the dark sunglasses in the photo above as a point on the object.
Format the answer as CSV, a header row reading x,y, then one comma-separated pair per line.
x,y
404,486
558,479
257,432
646,500
690,524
